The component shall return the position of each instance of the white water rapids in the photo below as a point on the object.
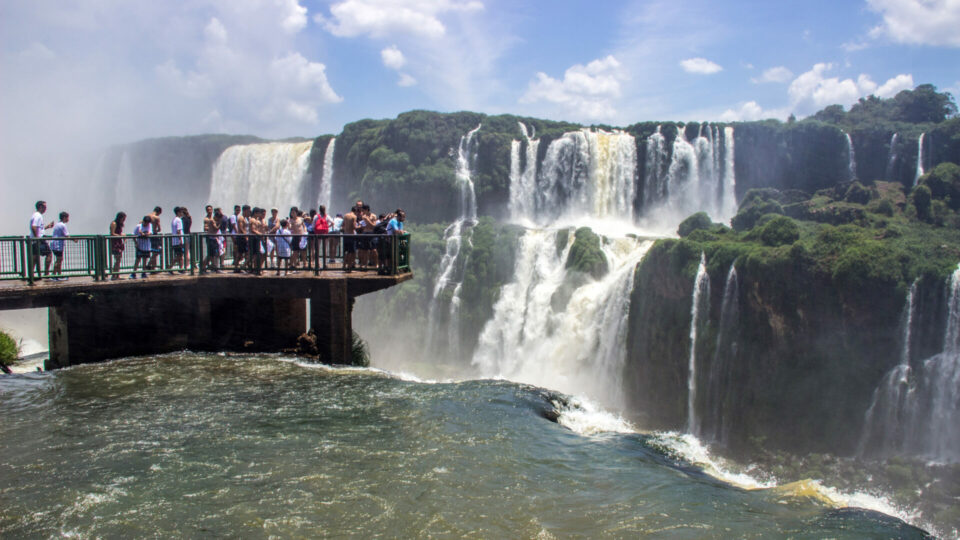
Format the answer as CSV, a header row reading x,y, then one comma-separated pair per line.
x,y
270,175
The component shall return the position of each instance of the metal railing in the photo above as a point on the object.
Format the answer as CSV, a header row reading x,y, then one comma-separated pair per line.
x,y
386,254
109,257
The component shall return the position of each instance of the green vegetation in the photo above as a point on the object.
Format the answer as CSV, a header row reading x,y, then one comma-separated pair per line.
x,y
700,220
585,254
359,355
9,349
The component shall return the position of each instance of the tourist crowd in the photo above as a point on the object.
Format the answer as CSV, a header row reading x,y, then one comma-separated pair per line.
x,y
259,242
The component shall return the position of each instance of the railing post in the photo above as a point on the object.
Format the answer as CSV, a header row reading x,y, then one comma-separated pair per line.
x,y
316,261
30,251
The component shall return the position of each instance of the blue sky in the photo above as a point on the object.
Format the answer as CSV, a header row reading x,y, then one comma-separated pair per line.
x,y
113,71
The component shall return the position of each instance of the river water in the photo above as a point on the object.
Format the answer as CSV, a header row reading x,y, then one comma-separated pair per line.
x,y
254,446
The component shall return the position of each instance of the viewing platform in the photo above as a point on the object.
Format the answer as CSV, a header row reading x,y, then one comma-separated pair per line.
x,y
99,312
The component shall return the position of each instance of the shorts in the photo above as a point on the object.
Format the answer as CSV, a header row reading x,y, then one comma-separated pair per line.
x,y
178,249
213,247
349,245
57,253
295,244
43,249
241,244
156,245
144,253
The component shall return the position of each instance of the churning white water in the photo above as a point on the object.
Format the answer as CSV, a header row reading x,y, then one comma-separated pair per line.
x,y
271,175
701,293
326,183
559,329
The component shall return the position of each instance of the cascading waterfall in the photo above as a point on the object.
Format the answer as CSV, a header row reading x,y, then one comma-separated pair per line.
x,y
701,292
729,202
523,182
543,333
587,173
851,157
716,426
452,266
654,181
892,159
920,170
916,410
268,175
326,183
699,177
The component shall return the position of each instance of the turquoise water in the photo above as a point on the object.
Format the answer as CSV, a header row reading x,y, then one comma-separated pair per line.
x,y
214,446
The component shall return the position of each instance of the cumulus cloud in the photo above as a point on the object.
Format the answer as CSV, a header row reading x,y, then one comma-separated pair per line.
x,y
382,18
777,74
295,86
813,90
406,80
586,91
919,22
750,110
700,66
393,57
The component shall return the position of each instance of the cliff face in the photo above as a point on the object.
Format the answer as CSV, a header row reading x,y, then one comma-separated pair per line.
x,y
795,364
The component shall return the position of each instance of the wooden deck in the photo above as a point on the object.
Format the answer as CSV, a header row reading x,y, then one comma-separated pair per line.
x,y
15,294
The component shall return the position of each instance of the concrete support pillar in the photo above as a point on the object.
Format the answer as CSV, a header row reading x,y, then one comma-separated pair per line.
x,y
331,319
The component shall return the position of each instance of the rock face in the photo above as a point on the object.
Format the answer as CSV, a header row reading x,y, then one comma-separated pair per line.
x,y
800,362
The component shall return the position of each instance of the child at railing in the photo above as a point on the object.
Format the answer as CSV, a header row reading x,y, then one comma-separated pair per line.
x,y
56,246
144,247
283,246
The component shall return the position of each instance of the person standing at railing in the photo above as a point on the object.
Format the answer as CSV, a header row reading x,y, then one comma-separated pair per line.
x,y
116,244
144,245
321,228
187,224
349,227
39,247
273,224
213,247
241,243
298,230
176,229
156,243
60,231
223,222
283,246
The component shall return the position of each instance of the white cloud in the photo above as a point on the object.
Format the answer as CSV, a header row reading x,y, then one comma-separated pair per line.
x,y
919,22
293,15
586,91
299,77
700,65
777,74
37,52
812,90
895,85
750,110
381,18
393,57
406,80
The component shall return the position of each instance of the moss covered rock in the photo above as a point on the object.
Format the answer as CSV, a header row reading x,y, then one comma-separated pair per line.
x,y
585,254
700,220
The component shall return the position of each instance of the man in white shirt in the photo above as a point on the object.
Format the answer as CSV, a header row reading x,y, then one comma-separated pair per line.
x,y
59,233
39,248
176,229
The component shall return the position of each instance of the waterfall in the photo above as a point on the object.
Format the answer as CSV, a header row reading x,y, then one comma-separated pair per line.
x,y
561,330
851,157
701,290
326,183
654,181
683,178
452,266
587,173
920,170
720,377
916,412
523,182
269,175
729,201
892,159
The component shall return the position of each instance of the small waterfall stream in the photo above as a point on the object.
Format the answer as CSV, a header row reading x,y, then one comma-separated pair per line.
x,y
892,159
701,293
920,156
719,383
326,183
851,157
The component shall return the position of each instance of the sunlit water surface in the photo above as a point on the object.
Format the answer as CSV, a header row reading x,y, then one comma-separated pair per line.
x,y
206,445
